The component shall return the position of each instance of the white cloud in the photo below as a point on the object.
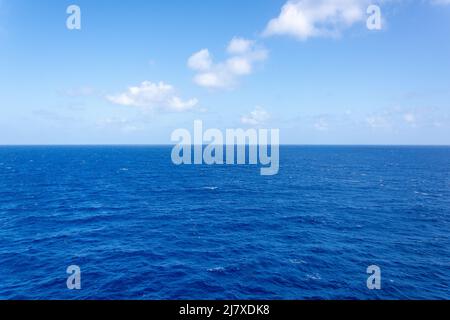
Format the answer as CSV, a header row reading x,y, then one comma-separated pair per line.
x,y
304,19
256,117
176,104
239,66
217,79
239,45
200,61
151,96
243,54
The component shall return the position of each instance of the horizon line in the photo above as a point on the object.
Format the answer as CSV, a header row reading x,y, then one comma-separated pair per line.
x,y
174,144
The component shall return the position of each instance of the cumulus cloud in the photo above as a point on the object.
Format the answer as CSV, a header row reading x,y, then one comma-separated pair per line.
x,y
239,45
243,54
200,61
152,96
305,19
257,117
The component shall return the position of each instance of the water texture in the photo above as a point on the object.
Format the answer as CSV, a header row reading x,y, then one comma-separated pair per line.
x,y
140,227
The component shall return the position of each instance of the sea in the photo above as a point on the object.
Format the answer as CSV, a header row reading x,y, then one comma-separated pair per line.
x,y
140,227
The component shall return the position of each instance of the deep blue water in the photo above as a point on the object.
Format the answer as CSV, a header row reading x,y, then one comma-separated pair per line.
x,y
142,228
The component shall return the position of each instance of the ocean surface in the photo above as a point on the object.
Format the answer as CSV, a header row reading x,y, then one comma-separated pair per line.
x,y
140,227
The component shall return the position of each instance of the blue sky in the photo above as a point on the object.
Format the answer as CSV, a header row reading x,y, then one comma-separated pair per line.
x,y
137,70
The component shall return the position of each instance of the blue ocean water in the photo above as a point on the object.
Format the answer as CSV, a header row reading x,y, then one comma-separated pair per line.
x,y
140,227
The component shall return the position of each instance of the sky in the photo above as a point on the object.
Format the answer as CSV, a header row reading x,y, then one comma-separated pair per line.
x,y
138,70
